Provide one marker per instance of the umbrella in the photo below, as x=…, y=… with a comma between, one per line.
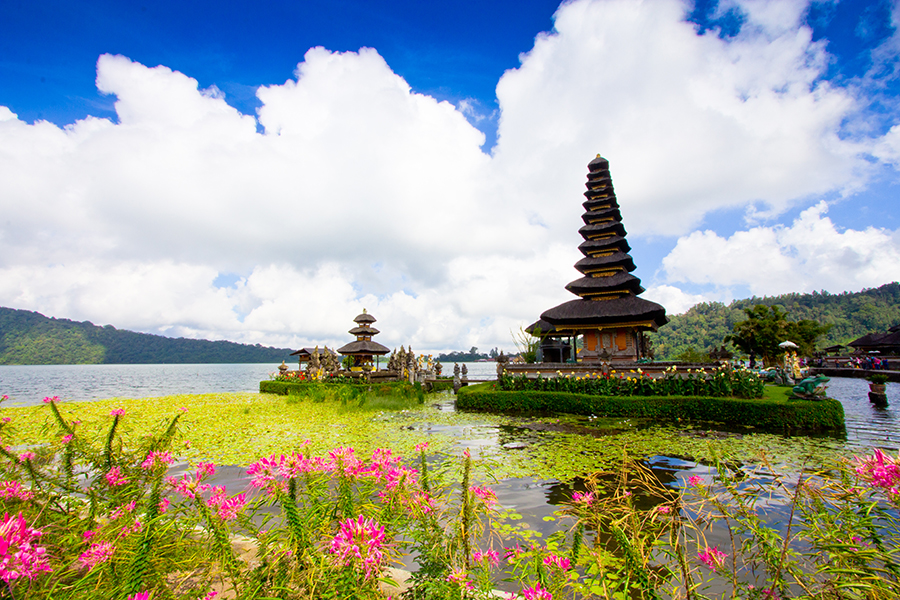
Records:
x=788, y=344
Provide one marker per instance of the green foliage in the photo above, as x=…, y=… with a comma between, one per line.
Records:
x=527, y=344
x=692, y=355
x=29, y=338
x=767, y=326
x=850, y=315
x=761, y=413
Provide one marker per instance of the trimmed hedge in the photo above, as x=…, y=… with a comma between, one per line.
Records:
x=761, y=413
x=283, y=388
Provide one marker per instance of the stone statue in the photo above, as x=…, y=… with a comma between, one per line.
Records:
x=811, y=388
x=465, y=372
x=501, y=363
x=456, y=382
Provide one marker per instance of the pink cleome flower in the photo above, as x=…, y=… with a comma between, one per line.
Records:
x=163, y=505
x=536, y=593
x=557, y=561
x=491, y=556
x=227, y=508
x=421, y=447
x=14, y=489
x=360, y=543
x=487, y=495
x=582, y=498
x=157, y=459
x=695, y=480
x=140, y=596
x=117, y=412
x=98, y=553
x=26, y=456
x=712, y=557
x=460, y=578
x=50, y=400
x=664, y=509
x=880, y=470
x=19, y=554
x=115, y=478
x=67, y=438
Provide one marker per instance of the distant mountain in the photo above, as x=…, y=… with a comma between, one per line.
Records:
x=851, y=315
x=30, y=338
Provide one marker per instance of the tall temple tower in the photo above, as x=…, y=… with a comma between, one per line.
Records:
x=609, y=315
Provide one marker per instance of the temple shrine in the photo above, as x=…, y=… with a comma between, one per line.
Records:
x=363, y=350
x=608, y=314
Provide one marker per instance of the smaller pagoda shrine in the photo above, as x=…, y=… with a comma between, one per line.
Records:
x=363, y=350
x=609, y=316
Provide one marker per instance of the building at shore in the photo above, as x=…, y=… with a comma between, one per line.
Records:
x=609, y=317
x=363, y=350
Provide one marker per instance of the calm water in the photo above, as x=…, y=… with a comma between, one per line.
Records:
x=28, y=385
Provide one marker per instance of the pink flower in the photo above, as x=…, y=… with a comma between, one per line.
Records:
x=157, y=459
x=115, y=478
x=4, y=397
x=184, y=409
x=227, y=508
x=557, y=561
x=7, y=419
x=580, y=498
x=49, y=400
x=88, y=534
x=490, y=556
x=460, y=578
x=67, y=438
x=14, y=489
x=265, y=471
x=880, y=470
x=140, y=596
x=421, y=447
x=712, y=557
x=695, y=480
x=19, y=554
x=210, y=596
x=98, y=553
x=163, y=505
x=26, y=456
x=360, y=543
x=487, y=495
x=187, y=485
x=121, y=510
x=117, y=412
x=664, y=509
x=536, y=593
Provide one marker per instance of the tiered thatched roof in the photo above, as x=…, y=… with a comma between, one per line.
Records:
x=608, y=292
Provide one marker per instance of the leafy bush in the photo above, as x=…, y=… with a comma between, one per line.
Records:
x=765, y=414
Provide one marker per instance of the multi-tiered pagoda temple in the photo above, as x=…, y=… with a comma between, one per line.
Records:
x=609, y=315
x=363, y=349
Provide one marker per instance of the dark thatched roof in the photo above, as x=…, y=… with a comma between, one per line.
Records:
x=616, y=242
x=606, y=214
x=614, y=227
x=599, y=312
x=616, y=259
x=364, y=318
x=622, y=281
x=364, y=347
x=545, y=328
x=364, y=330
x=308, y=352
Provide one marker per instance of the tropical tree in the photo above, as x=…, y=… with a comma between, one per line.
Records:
x=767, y=326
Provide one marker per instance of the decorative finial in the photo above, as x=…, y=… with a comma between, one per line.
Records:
x=598, y=156
x=364, y=311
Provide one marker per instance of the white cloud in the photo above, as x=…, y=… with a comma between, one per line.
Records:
x=810, y=254
x=348, y=190
x=676, y=300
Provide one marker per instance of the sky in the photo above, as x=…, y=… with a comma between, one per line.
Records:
x=262, y=172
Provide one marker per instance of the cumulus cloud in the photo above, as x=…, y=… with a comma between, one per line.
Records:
x=810, y=254
x=350, y=190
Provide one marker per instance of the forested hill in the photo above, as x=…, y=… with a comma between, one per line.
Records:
x=851, y=314
x=30, y=338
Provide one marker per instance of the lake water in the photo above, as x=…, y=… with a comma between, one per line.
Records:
x=867, y=425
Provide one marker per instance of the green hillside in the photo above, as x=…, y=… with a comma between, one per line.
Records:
x=851, y=315
x=30, y=338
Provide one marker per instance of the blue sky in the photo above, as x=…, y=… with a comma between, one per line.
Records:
x=195, y=169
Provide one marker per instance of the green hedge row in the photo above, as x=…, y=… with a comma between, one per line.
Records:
x=283, y=388
x=761, y=413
